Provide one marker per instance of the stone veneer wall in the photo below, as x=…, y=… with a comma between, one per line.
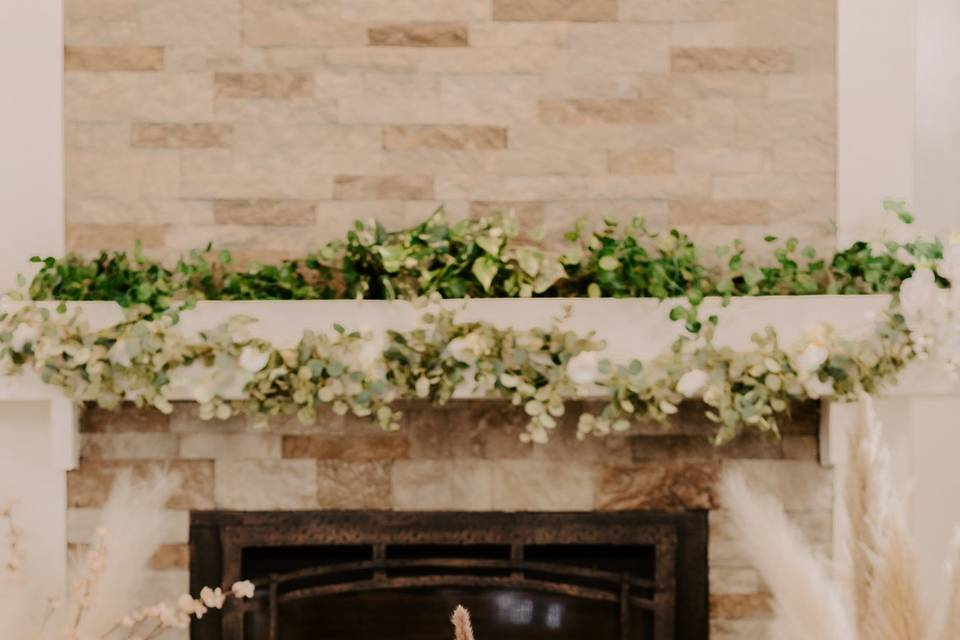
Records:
x=463, y=457
x=267, y=126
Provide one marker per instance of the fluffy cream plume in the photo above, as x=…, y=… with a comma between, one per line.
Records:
x=807, y=603
x=951, y=617
x=132, y=527
x=461, y=624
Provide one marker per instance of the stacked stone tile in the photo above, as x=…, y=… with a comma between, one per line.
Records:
x=466, y=456
x=268, y=126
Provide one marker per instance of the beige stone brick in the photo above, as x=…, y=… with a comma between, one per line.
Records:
x=525, y=210
x=354, y=448
x=271, y=23
x=124, y=419
x=276, y=111
x=418, y=35
x=513, y=188
x=669, y=485
x=424, y=485
x=541, y=485
x=619, y=48
x=265, y=212
x=247, y=242
x=129, y=446
x=503, y=35
x=96, y=135
x=731, y=212
x=124, y=174
x=809, y=158
x=801, y=447
x=738, y=606
x=113, y=58
x=89, y=485
x=722, y=161
x=101, y=32
x=224, y=446
x=798, y=485
x=198, y=58
x=551, y=10
x=276, y=85
x=138, y=210
x=265, y=484
x=146, y=97
x=666, y=186
x=802, y=86
x=383, y=188
x=785, y=187
x=726, y=580
x=412, y=10
x=726, y=59
x=780, y=23
x=375, y=59
x=704, y=34
x=170, y=557
x=588, y=111
x=160, y=135
x=406, y=137
x=354, y=485
x=114, y=236
x=630, y=161
x=195, y=22
x=720, y=85
x=241, y=175
x=529, y=59
x=740, y=629
x=678, y=10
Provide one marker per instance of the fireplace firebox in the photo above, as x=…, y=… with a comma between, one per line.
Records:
x=398, y=575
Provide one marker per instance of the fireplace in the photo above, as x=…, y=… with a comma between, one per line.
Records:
x=397, y=575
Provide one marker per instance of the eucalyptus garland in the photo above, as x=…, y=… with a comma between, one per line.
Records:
x=144, y=359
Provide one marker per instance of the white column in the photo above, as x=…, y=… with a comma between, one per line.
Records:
x=31, y=134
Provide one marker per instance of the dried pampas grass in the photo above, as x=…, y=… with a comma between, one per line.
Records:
x=461, y=624
x=875, y=595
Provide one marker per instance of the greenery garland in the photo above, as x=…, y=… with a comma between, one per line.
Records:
x=143, y=359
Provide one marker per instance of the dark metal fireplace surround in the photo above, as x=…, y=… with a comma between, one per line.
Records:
x=397, y=576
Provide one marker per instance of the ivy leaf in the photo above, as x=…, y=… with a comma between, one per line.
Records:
x=485, y=269
x=490, y=244
x=529, y=260
x=608, y=263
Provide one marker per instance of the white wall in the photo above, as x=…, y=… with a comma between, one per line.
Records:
x=31, y=134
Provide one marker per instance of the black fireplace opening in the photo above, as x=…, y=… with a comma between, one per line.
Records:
x=398, y=575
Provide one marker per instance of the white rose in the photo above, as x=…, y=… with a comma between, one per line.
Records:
x=692, y=383
x=817, y=388
x=252, y=359
x=812, y=357
x=583, y=368
x=243, y=589
x=466, y=349
x=22, y=335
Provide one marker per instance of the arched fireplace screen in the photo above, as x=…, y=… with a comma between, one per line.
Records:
x=397, y=576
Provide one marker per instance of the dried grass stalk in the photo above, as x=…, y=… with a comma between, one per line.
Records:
x=461, y=624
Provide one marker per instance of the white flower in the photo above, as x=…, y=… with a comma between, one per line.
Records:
x=119, y=354
x=213, y=598
x=467, y=348
x=811, y=358
x=190, y=606
x=243, y=589
x=918, y=292
x=583, y=368
x=203, y=392
x=817, y=388
x=692, y=383
x=252, y=359
x=22, y=335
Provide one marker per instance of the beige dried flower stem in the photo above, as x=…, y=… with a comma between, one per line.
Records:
x=461, y=624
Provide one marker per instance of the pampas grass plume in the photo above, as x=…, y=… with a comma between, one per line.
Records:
x=461, y=624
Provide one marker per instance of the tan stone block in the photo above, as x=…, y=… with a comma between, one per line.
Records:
x=383, y=188
x=265, y=212
x=82, y=523
x=801, y=448
x=811, y=186
x=529, y=59
x=125, y=419
x=96, y=135
x=406, y=137
x=490, y=98
x=113, y=58
x=271, y=23
x=722, y=161
x=375, y=59
x=740, y=605
x=525, y=210
x=725, y=580
x=354, y=485
x=802, y=86
x=740, y=629
x=248, y=242
x=424, y=485
x=675, y=447
x=89, y=485
x=145, y=97
x=266, y=484
x=410, y=10
x=488, y=431
x=78, y=32
x=780, y=23
x=798, y=485
x=418, y=35
x=122, y=174
x=143, y=210
x=114, y=236
x=379, y=446
x=725, y=549
x=466, y=187
x=535, y=163
x=619, y=48
x=244, y=174
x=734, y=212
x=811, y=158
x=726, y=59
x=275, y=85
x=668, y=485
x=169, y=557
x=180, y=136
x=587, y=111
x=665, y=186
x=720, y=85
x=678, y=10
x=541, y=485
x=195, y=22
x=198, y=58
x=262, y=137
x=222, y=446
x=704, y=34
x=129, y=446
x=555, y=10
x=509, y=35
x=630, y=161
x=278, y=111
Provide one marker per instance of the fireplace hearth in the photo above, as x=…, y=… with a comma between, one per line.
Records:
x=397, y=575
